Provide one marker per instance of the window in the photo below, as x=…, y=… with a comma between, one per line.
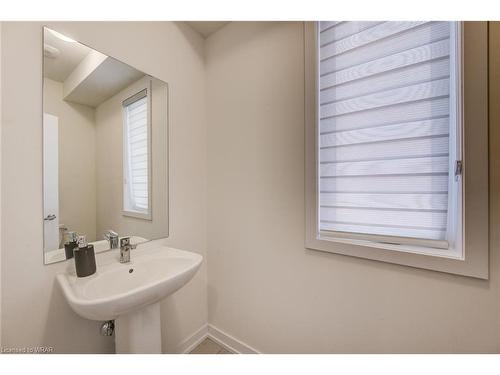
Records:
x=389, y=132
x=136, y=168
x=387, y=140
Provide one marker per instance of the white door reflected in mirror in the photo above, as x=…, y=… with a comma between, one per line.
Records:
x=50, y=182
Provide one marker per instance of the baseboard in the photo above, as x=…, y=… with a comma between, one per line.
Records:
x=193, y=341
x=229, y=342
x=220, y=337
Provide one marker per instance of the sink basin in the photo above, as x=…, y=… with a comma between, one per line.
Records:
x=130, y=292
x=119, y=288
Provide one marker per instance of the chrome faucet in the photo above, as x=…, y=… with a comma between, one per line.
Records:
x=112, y=237
x=125, y=247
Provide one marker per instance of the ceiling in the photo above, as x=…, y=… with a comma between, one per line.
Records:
x=205, y=28
x=59, y=69
x=70, y=55
x=106, y=79
x=97, y=78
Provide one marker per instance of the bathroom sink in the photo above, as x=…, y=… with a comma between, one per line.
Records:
x=130, y=292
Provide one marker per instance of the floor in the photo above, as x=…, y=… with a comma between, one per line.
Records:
x=208, y=346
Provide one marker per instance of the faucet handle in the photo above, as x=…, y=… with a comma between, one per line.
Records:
x=110, y=234
x=124, y=241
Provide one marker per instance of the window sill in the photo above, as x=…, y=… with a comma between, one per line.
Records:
x=440, y=250
x=137, y=215
x=473, y=266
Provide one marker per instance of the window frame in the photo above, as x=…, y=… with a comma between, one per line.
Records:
x=140, y=93
x=472, y=239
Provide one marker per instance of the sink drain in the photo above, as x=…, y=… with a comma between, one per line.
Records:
x=131, y=270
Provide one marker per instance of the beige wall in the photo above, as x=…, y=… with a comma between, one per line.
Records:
x=264, y=287
x=34, y=311
x=77, y=160
x=1, y=73
x=109, y=121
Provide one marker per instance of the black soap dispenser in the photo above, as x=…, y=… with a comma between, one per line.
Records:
x=84, y=258
x=70, y=244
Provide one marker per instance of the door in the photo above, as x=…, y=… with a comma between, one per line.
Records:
x=50, y=182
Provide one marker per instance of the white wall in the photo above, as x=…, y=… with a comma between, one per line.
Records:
x=34, y=311
x=109, y=127
x=264, y=287
x=77, y=160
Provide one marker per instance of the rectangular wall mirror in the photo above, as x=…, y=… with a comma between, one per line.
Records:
x=105, y=149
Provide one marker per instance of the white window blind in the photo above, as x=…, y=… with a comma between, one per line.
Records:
x=136, y=189
x=387, y=125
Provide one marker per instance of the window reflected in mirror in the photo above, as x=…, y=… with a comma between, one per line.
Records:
x=136, y=156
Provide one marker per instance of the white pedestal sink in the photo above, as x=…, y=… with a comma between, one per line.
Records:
x=130, y=293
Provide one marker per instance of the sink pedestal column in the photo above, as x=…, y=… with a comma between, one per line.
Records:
x=139, y=331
